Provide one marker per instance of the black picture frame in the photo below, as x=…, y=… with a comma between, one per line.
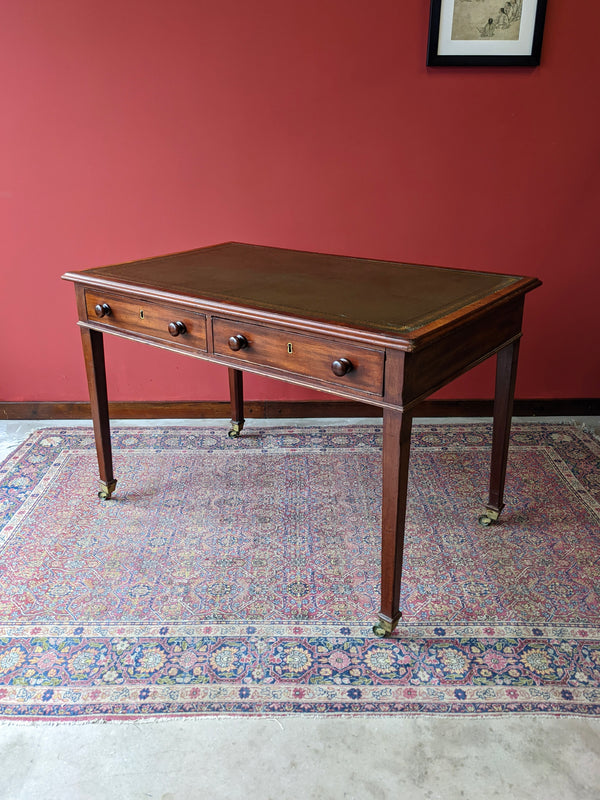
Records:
x=491, y=47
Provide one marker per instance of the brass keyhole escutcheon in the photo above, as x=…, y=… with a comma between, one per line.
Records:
x=290, y=348
x=141, y=313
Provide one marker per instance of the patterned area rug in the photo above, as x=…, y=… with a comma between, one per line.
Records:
x=242, y=576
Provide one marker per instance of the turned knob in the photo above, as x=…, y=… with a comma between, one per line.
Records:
x=103, y=310
x=341, y=366
x=175, y=328
x=238, y=342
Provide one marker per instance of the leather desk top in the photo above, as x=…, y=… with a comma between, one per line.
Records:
x=385, y=297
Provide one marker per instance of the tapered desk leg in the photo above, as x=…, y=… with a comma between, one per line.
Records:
x=506, y=376
x=397, y=427
x=93, y=352
x=236, y=394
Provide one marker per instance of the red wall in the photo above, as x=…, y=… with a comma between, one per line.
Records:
x=130, y=129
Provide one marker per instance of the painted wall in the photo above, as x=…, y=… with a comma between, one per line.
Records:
x=130, y=129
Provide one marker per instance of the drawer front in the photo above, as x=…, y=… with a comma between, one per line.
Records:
x=176, y=325
x=332, y=360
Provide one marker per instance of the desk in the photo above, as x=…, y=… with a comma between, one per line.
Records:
x=384, y=333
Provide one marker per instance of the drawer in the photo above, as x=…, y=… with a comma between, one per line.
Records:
x=334, y=361
x=174, y=324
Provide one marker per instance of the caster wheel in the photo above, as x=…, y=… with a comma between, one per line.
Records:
x=485, y=520
x=380, y=631
x=106, y=490
x=233, y=434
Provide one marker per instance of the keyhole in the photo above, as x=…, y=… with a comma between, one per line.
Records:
x=141, y=313
x=290, y=348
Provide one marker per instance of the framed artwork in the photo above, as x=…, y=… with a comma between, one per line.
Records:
x=480, y=33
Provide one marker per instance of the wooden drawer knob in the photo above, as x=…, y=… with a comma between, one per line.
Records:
x=175, y=328
x=238, y=342
x=103, y=310
x=341, y=366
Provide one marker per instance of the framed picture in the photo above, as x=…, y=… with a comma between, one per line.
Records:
x=485, y=33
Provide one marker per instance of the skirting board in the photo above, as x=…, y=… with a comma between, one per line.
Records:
x=268, y=409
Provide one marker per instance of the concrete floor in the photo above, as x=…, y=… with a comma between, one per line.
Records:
x=304, y=757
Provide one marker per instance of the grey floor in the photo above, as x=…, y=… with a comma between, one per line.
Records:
x=303, y=757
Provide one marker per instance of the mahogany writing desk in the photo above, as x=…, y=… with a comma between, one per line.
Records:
x=384, y=333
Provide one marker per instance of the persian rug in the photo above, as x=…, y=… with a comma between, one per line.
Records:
x=242, y=576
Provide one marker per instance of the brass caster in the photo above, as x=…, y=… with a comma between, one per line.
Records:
x=384, y=627
x=235, y=429
x=106, y=490
x=489, y=518
x=380, y=631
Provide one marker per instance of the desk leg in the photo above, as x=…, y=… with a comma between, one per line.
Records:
x=236, y=394
x=506, y=376
x=93, y=352
x=397, y=427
